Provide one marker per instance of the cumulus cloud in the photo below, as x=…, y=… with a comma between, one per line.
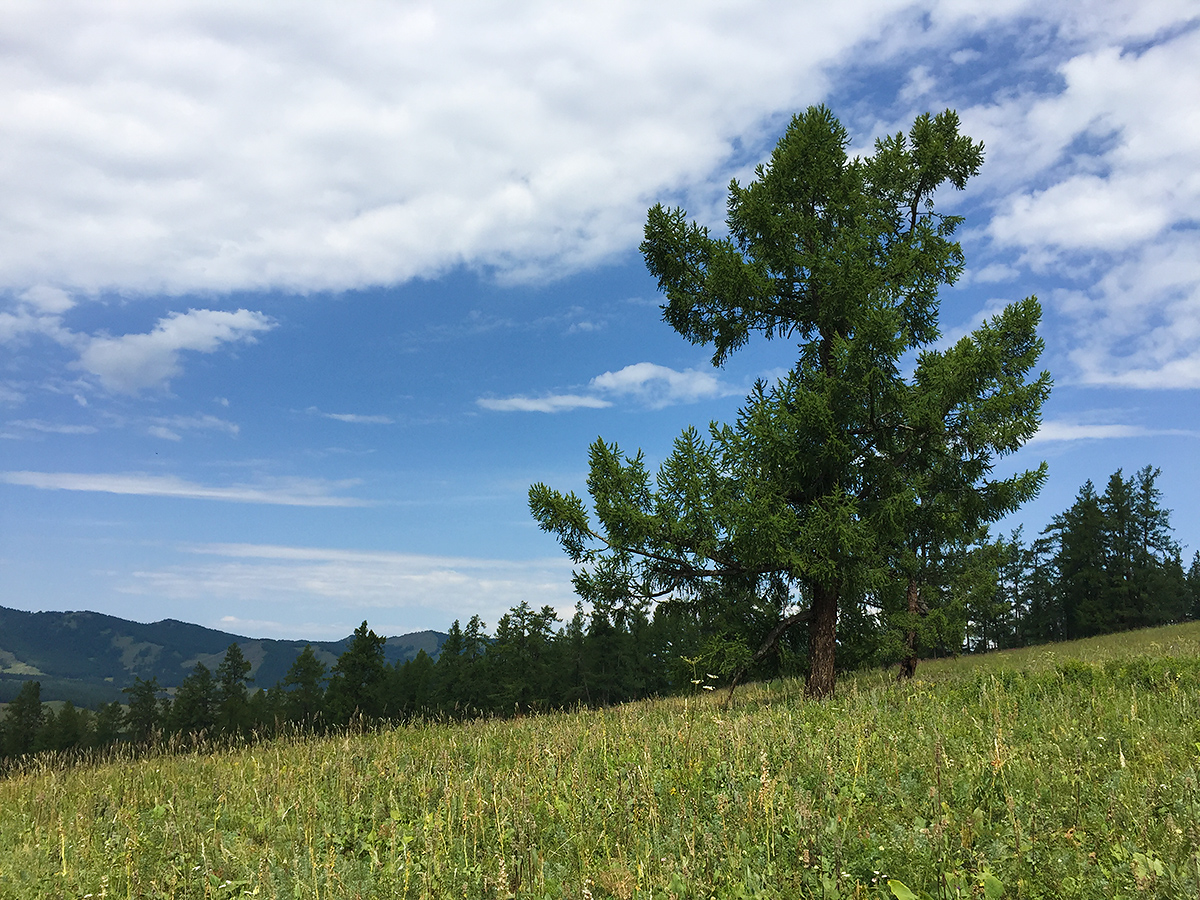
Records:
x=658, y=386
x=27, y=318
x=288, y=492
x=204, y=145
x=52, y=300
x=1123, y=152
x=134, y=362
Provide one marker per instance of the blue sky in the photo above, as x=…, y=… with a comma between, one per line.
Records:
x=296, y=304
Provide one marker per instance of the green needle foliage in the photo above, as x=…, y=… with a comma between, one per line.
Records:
x=849, y=472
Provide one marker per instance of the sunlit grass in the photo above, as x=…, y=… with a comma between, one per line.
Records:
x=1054, y=772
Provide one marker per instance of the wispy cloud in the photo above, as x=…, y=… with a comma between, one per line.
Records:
x=37, y=312
x=360, y=579
x=169, y=427
x=649, y=384
x=551, y=403
x=284, y=630
x=354, y=418
x=292, y=492
x=1074, y=431
x=52, y=427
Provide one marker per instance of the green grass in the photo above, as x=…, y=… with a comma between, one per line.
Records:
x=1068, y=771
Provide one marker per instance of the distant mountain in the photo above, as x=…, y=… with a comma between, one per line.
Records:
x=88, y=657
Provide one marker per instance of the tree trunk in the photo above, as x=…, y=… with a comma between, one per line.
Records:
x=822, y=641
x=908, y=665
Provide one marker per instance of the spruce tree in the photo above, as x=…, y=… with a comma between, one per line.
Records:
x=194, y=710
x=233, y=712
x=23, y=720
x=304, y=696
x=358, y=679
x=143, y=718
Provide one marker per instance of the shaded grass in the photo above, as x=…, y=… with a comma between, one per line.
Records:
x=1055, y=772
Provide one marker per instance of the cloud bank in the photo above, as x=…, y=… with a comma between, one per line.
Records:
x=203, y=145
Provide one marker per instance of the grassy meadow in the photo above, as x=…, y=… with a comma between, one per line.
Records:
x=1062, y=771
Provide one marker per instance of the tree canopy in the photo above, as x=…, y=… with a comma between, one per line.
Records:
x=849, y=470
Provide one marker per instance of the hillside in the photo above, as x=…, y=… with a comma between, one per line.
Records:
x=1061, y=771
x=88, y=657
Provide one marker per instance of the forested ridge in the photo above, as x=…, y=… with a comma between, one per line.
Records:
x=1108, y=563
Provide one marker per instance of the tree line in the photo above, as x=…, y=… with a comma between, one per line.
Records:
x=1108, y=563
x=532, y=662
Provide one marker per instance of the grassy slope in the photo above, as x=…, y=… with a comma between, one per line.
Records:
x=1068, y=771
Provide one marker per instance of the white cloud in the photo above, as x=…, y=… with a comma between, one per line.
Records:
x=52, y=428
x=10, y=396
x=650, y=384
x=291, y=492
x=251, y=573
x=658, y=386
x=1138, y=325
x=203, y=145
x=48, y=299
x=1139, y=109
x=1099, y=186
x=354, y=418
x=991, y=274
x=548, y=404
x=1074, y=431
x=24, y=322
x=134, y=362
x=203, y=422
x=920, y=83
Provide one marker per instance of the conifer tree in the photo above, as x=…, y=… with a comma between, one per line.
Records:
x=796, y=504
x=143, y=718
x=233, y=712
x=358, y=679
x=23, y=720
x=195, y=708
x=304, y=696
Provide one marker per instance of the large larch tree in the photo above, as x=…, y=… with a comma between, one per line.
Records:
x=812, y=496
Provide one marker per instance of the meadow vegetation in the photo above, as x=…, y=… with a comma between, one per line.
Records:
x=1060, y=771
